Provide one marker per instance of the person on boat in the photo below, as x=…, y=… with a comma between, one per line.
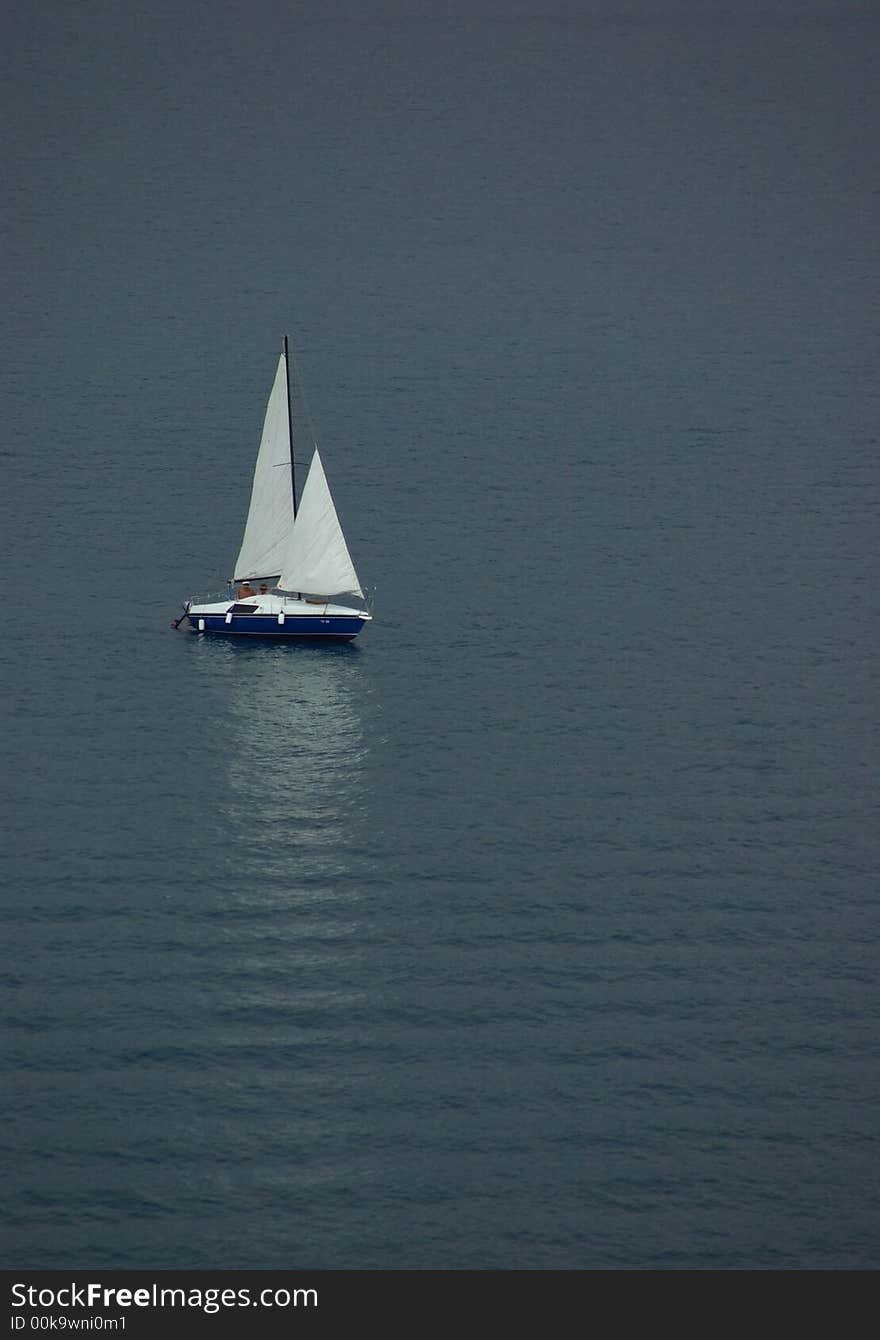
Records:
x=246, y=590
x=263, y=589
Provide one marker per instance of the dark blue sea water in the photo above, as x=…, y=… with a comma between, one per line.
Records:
x=538, y=928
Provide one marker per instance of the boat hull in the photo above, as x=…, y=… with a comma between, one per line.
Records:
x=276, y=616
x=335, y=627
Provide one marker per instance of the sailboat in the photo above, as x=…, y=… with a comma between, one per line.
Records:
x=293, y=576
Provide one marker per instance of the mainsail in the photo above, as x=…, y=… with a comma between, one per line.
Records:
x=270, y=516
x=316, y=558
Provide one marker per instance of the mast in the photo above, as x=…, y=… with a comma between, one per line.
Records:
x=290, y=427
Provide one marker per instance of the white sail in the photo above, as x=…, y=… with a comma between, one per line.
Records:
x=270, y=516
x=317, y=560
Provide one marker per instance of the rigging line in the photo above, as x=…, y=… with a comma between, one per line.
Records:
x=301, y=392
x=290, y=427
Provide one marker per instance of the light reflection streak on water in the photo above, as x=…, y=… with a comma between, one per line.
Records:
x=293, y=818
x=295, y=752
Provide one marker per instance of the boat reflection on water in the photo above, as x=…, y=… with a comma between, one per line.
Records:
x=292, y=829
x=293, y=865
x=297, y=754
x=286, y=970
x=285, y=965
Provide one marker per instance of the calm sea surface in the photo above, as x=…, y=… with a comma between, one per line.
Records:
x=539, y=927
